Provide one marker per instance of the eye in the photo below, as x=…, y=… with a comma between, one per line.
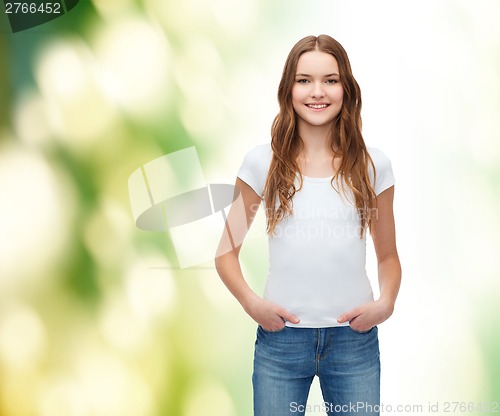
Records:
x=331, y=81
x=302, y=81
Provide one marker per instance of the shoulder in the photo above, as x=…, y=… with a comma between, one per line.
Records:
x=259, y=157
x=380, y=158
x=377, y=153
x=260, y=151
x=255, y=167
x=383, y=170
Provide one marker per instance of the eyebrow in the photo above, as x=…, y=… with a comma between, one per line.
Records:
x=326, y=76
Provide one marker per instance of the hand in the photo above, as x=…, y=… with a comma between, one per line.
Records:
x=365, y=317
x=270, y=316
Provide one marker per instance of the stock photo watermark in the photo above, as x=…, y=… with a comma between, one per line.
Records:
x=170, y=194
x=452, y=407
x=25, y=15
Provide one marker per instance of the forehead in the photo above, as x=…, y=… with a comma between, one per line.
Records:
x=315, y=62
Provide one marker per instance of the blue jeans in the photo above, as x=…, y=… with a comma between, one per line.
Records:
x=347, y=364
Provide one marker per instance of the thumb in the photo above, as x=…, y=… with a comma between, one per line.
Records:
x=347, y=316
x=290, y=317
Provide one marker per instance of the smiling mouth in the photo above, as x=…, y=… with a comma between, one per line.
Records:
x=317, y=106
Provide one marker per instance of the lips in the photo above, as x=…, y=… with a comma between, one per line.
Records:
x=317, y=106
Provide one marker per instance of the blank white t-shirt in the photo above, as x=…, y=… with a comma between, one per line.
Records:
x=316, y=258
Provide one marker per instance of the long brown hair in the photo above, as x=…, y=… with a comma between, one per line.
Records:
x=346, y=141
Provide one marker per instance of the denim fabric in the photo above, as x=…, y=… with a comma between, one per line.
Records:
x=347, y=364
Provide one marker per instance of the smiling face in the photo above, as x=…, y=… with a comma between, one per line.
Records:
x=317, y=92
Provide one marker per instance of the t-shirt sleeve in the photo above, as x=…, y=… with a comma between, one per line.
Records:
x=384, y=177
x=253, y=170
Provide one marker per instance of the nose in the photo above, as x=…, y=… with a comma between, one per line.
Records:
x=317, y=90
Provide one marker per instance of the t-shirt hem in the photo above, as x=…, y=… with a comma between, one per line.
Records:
x=248, y=179
x=316, y=325
x=384, y=187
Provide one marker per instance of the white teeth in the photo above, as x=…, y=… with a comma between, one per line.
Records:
x=317, y=106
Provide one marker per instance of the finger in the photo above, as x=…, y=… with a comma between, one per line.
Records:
x=275, y=324
x=348, y=316
x=356, y=325
x=290, y=317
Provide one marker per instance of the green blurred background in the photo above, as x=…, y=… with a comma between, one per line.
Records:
x=96, y=317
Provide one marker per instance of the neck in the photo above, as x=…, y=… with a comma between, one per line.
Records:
x=315, y=139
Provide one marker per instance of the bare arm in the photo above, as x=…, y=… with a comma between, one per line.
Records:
x=383, y=234
x=241, y=215
x=384, y=240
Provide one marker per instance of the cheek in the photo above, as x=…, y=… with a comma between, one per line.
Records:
x=297, y=98
x=339, y=94
x=296, y=94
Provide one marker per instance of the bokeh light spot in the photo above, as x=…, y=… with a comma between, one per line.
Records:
x=68, y=78
x=208, y=398
x=133, y=55
x=150, y=288
x=22, y=336
x=35, y=213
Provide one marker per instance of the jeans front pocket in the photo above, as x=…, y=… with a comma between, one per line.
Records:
x=362, y=332
x=272, y=332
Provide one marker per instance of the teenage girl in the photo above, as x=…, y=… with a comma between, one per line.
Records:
x=322, y=189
